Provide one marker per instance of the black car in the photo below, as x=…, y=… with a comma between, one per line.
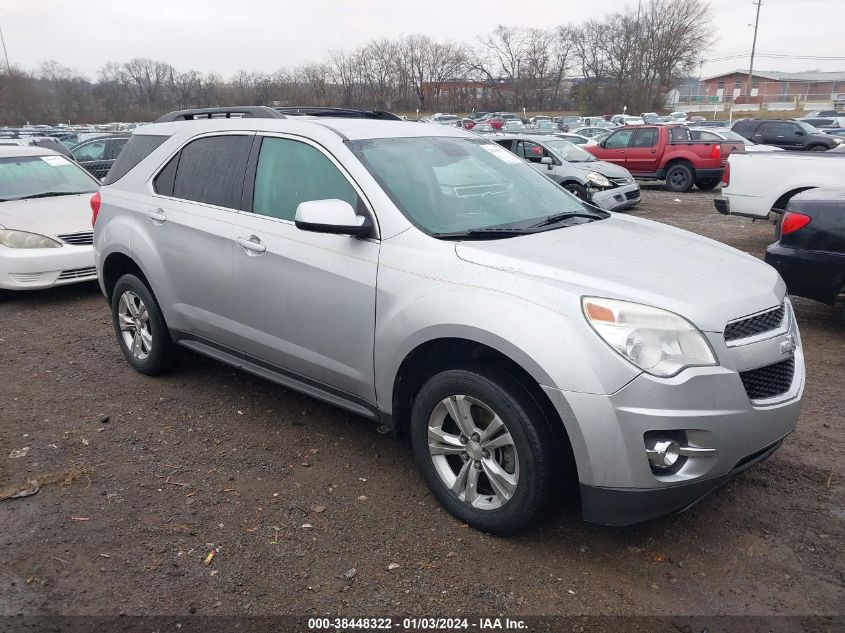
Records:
x=97, y=154
x=784, y=133
x=810, y=255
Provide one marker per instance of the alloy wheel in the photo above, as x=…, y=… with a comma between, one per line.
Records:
x=134, y=320
x=473, y=452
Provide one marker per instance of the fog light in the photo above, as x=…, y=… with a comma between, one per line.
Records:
x=665, y=453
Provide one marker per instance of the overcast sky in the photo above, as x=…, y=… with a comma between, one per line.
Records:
x=225, y=36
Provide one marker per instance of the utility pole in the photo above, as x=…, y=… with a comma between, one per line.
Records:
x=753, y=47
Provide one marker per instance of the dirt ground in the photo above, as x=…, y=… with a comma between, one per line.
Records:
x=142, y=477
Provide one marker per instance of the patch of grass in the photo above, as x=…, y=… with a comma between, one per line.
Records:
x=63, y=477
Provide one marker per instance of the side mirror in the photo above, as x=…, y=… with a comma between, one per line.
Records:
x=603, y=143
x=331, y=216
x=547, y=161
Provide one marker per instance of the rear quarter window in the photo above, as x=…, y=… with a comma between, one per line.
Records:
x=136, y=149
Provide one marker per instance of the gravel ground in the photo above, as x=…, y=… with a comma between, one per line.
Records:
x=142, y=477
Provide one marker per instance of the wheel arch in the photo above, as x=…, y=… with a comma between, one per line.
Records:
x=439, y=354
x=117, y=264
x=784, y=199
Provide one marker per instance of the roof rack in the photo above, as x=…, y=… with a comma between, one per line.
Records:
x=348, y=113
x=237, y=112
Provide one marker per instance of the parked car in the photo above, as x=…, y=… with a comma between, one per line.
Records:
x=429, y=279
x=484, y=127
x=568, y=123
x=576, y=139
x=701, y=122
x=822, y=124
x=678, y=116
x=825, y=113
x=665, y=152
x=445, y=119
x=652, y=118
x=591, y=132
x=786, y=134
x=477, y=116
x=514, y=126
x=810, y=254
x=544, y=127
x=45, y=220
x=624, y=119
x=97, y=155
x=728, y=136
x=757, y=184
x=605, y=185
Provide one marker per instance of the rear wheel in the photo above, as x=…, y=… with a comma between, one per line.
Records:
x=140, y=328
x=679, y=178
x=705, y=184
x=484, y=449
x=579, y=191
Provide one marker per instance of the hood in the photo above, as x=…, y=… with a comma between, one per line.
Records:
x=48, y=216
x=605, y=169
x=639, y=260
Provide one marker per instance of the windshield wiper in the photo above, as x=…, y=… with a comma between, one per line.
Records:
x=485, y=233
x=50, y=194
x=560, y=217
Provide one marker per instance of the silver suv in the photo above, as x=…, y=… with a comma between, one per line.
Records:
x=429, y=279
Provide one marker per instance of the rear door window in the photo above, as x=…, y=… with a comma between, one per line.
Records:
x=211, y=170
x=645, y=137
x=290, y=172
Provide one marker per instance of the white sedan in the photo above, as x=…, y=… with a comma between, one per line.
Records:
x=45, y=220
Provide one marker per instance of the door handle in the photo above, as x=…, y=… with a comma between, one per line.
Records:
x=252, y=244
x=158, y=216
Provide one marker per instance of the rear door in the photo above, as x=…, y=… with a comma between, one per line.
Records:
x=191, y=217
x=305, y=301
x=615, y=147
x=642, y=156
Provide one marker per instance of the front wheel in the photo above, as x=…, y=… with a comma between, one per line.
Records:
x=679, y=178
x=818, y=148
x=579, y=191
x=706, y=184
x=483, y=448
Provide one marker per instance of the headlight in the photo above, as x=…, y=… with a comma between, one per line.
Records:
x=657, y=341
x=22, y=239
x=837, y=140
x=598, y=180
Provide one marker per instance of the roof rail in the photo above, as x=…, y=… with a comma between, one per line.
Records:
x=244, y=112
x=347, y=113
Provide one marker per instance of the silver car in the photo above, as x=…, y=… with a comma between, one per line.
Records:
x=429, y=279
x=608, y=186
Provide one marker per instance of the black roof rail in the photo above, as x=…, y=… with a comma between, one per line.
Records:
x=347, y=113
x=236, y=112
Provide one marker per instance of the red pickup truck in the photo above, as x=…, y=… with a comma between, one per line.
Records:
x=665, y=152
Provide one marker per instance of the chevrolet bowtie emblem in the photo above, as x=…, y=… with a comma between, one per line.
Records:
x=787, y=344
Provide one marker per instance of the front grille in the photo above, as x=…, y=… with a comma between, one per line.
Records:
x=622, y=181
x=76, y=273
x=769, y=381
x=78, y=239
x=753, y=325
x=632, y=195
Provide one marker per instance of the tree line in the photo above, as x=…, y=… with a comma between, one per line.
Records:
x=630, y=58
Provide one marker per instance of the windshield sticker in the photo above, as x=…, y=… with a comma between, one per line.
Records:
x=55, y=161
x=501, y=153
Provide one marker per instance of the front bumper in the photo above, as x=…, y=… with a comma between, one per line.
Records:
x=708, y=406
x=34, y=268
x=616, y=198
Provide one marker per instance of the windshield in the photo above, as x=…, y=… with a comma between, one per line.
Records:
x=448, y=184
x=570, y=152
x=38, y=176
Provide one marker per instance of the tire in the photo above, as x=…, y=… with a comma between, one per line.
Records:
x=680, y=178
x=145, y=343
x=523, y=468
x=579, y=191
x=706, y=184
x=818, y=148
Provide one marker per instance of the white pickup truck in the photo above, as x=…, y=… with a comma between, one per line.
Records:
x=755, y=184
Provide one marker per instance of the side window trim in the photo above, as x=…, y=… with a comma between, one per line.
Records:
x=178, y=151
x=252, y=172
